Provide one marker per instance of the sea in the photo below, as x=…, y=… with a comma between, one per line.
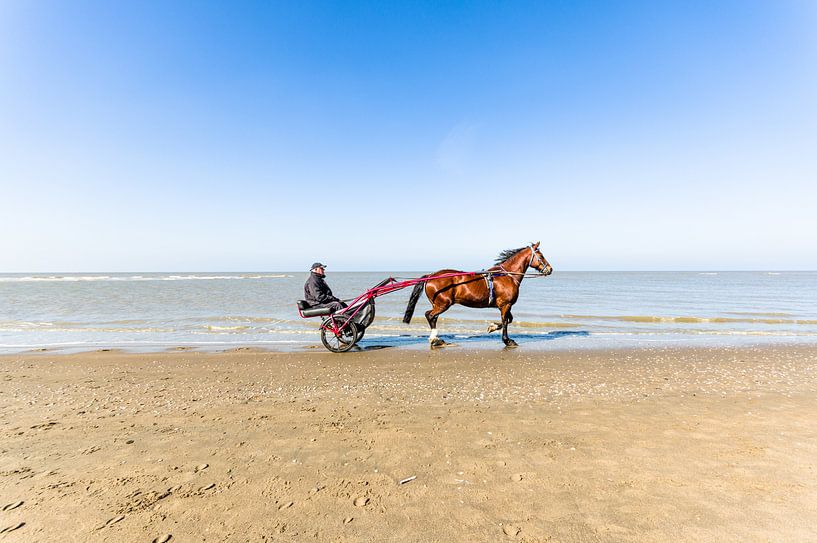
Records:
x=567, y=310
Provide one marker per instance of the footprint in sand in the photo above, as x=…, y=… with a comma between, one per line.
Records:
x=44, y=426
x=163, y=539
x=112, y=521
x=14, y=505
x=361, y=501
x=208, y=487
x=285, y=505
x=200, y=467
x=347, y=520
x=516, y=477
x=13, y=527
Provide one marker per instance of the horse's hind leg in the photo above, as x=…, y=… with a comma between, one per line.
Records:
x=507, y=318
x=431, y=317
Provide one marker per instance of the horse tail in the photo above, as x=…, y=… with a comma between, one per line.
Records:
x=412, y=303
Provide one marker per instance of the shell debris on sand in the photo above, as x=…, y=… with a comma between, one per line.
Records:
x=511, y=530
x=361, y=501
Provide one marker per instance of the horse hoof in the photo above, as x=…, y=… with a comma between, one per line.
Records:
x=493, y=328
x=437, y=342
x=511, y=344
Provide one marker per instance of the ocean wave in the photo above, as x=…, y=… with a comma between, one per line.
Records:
x=760, y=313
x=27, y=324
x=134, y=278
x=219, y=277
x=255, y=332
x=228, y=318
x=670, y=333
x=690, y=319
x=148, y=344
x=554, y=324
x=55, y=278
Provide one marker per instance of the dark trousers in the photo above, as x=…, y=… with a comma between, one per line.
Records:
x=334, y=306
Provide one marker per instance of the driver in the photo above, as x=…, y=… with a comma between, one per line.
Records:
x=317, y=292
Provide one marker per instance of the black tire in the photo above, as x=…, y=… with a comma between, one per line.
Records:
x=347, y=338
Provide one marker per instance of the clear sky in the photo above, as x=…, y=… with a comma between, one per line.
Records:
x=193, y=136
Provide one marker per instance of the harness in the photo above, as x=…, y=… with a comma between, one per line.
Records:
x=489, y=280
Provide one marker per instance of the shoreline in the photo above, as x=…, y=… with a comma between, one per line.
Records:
x=540, y=343
x=660, y=444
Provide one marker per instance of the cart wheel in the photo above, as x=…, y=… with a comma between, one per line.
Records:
x=344, y=340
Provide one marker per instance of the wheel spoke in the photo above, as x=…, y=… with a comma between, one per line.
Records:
x=345, y=338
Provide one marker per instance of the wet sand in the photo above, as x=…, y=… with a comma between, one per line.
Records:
x=626, y=445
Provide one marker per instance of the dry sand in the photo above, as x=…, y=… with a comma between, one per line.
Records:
x=644, y=445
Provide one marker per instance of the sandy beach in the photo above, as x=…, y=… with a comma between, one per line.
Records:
x=411, y=445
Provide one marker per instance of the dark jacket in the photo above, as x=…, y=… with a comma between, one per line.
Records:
x=316, y=291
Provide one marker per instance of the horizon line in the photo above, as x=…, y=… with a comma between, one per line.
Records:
x=647, y=270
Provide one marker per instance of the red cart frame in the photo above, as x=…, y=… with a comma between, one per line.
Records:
x=339, y=322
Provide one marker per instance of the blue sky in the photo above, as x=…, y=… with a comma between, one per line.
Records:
x=157, y=136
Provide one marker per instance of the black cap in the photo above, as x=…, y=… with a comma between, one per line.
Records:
x=317, y=265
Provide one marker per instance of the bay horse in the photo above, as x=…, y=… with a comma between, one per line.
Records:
x=497, y=286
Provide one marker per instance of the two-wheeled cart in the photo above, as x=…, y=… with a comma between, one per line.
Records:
x=341, y=330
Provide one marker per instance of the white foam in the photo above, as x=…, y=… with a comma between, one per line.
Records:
x=120, y=278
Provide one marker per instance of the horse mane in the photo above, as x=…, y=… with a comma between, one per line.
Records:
x=506, y=254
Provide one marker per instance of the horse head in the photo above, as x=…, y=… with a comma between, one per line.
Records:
x=537, y=261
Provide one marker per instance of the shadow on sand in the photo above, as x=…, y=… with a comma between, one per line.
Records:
x=375, y=343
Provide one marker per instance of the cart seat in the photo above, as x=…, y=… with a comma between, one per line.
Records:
x=308, y=311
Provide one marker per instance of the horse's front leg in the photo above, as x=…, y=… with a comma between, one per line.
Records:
x=494, y=326
x=507, y=318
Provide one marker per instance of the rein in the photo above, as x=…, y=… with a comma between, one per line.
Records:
x=502, y=271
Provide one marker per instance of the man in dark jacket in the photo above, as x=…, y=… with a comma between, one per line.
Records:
x=317, y=292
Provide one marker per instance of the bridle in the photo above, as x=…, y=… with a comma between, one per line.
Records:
x=532, y=255
x=530, y=265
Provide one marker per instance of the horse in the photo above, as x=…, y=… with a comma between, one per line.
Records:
x=497, y=286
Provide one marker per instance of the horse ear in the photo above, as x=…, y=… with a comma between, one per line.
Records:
x=536, y=245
